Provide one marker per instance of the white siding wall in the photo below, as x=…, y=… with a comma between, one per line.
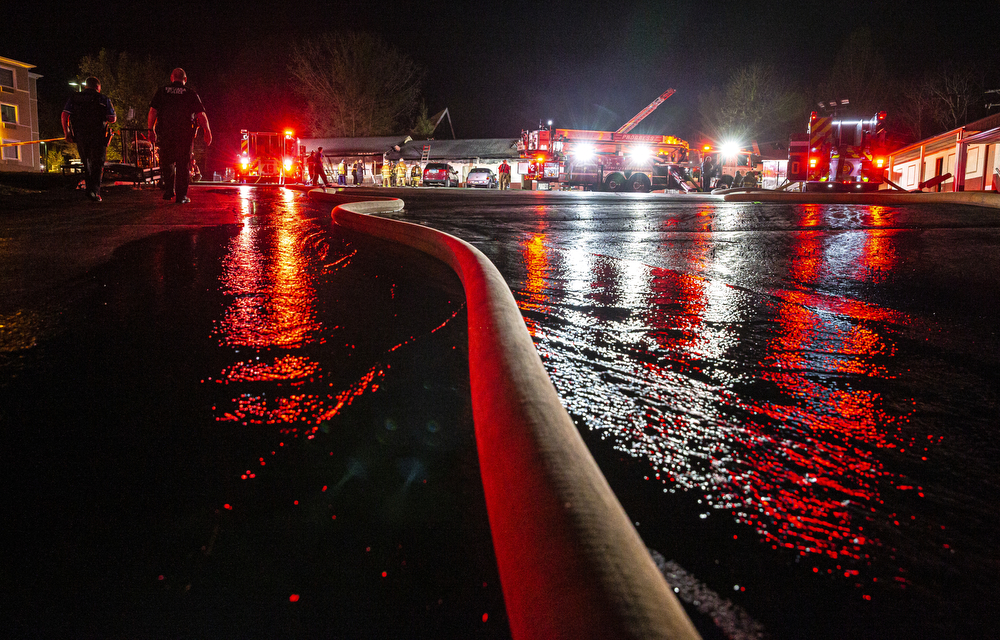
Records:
x=907, y=174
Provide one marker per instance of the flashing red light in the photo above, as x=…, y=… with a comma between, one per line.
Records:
x=812, y=163
x=813, y=115
x=879, y=162
x=881, y=115
x=289, y=133
x=707, y=147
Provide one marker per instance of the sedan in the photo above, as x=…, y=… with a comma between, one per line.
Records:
x=480, y=177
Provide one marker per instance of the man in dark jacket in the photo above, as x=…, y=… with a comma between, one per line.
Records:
x=85, y=120
x=175, y=113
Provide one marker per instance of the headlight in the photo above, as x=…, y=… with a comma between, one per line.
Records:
x=730, y=149
x=584, y=153
x=640, y=152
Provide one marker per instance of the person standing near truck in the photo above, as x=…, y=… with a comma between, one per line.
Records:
x=85, y=120
x=504, y=171
x=386, y=173
x=175, y=113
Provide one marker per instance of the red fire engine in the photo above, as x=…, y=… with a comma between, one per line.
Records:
x=840, y=154
x=611, y=160
x=269, y=156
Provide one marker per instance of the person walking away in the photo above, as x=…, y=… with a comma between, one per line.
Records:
x=311, y=168
x=504, y=171
x=320, y=169
x=354, y=173
x=85, y=121
x=175, y=113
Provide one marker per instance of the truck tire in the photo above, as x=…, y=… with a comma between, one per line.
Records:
x=614, y=182
x=639, y=183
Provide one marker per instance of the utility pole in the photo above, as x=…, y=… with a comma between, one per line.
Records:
x=993, y=104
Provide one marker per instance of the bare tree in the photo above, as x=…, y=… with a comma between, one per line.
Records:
x=956, y=90
x=859, y=74
x=915, y=110
x=355, y=84
x=128, y=81
x=755, y=104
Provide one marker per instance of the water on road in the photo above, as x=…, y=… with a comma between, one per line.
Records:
x=260, y=430
x=796, y=404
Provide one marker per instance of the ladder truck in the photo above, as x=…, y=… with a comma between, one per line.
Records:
x=840, y=153
x=606, y=160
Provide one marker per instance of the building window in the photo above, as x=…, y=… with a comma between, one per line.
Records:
x=8, y=113
x=11, y=153
x=6, y=77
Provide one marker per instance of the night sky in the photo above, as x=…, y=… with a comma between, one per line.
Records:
x=584, y=65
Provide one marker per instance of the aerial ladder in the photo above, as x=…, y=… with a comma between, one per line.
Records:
x=612, y=160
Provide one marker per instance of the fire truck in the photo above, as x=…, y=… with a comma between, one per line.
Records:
x=840, y=153
x=269, y=156
x=608, y=160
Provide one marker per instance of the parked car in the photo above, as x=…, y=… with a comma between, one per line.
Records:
x=442, y=174
x=482, y=177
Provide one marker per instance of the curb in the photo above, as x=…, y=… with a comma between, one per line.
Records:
x=571, y=563
x=988, y=199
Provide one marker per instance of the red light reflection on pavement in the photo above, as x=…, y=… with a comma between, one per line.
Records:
x=273, y=298
x=804, y=486
x=535, y=257
x=790, y=444
x=285, y=368
x=270, y=276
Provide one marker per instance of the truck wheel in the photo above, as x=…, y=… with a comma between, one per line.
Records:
x=639, y=183
x=615, y=182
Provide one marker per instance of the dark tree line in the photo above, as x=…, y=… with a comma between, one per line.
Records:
x=757, y=103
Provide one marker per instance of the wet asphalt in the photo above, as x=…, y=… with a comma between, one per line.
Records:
x=796, y=404
x=231, y=419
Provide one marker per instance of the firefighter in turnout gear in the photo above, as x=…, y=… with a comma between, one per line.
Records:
x=386, y=173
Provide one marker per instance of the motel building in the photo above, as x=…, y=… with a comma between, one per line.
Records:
x=19, y=116
x=969, y=155
x=341, y=154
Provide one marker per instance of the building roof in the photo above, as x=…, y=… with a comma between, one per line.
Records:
x=946, y=139
x=440, y=150
x=16, y=63
x=349, y=147
x=991, y=121
x=476, y=149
